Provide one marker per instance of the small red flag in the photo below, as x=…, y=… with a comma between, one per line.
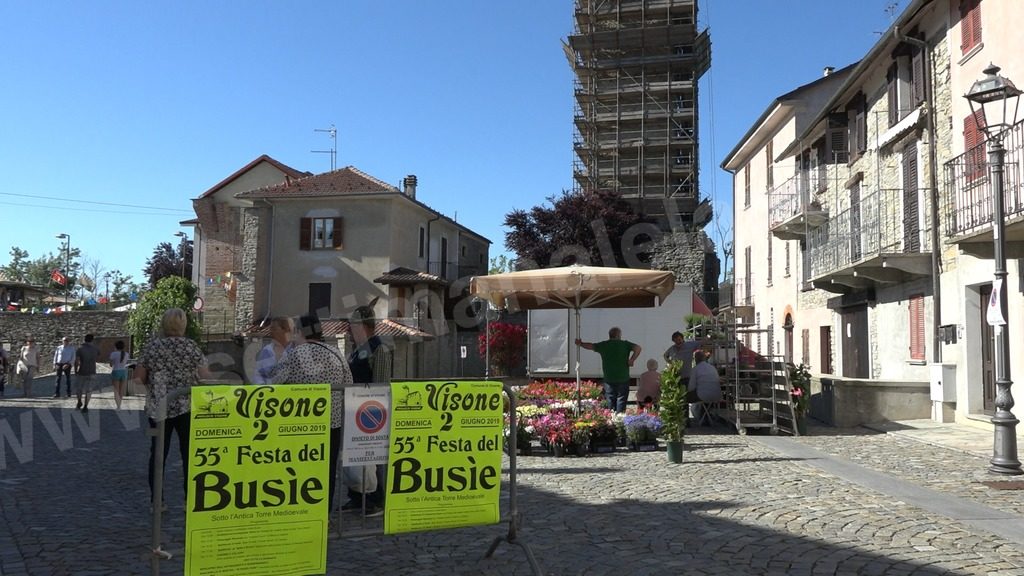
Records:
x=57, y=277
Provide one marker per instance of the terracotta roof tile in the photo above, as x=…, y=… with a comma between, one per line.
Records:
x=347, y=180
x=403, y=275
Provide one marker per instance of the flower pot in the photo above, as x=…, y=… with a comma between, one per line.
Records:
x=558, y=450
x=674, y=449
x=582, y=449
x=602, y=446
x=525, y=449
x=643, y=446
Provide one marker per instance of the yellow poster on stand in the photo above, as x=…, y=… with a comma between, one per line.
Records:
x=258, y=480
x=444, y=468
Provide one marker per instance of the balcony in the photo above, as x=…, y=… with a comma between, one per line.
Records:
x=872, y=243
x=792, y=212
x=967, y=197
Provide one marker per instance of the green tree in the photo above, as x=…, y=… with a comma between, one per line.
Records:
x=500, y=264
x=170, y=292
x=17, y=269
x=169, y=261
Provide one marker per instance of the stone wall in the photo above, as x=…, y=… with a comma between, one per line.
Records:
x=48, y=329
x=686, y=254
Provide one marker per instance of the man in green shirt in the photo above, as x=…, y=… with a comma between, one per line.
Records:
x=617, y=355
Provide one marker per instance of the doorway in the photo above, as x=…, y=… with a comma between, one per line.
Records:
x=787, y=327
x=855, y=342
x=988, y=364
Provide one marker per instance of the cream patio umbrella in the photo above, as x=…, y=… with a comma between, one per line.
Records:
x=575, y=287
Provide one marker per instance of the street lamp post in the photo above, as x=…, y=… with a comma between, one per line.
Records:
x=184, y=239
x=991, y=100
x=67, y=267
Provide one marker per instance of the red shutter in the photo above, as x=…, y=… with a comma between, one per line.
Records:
x=970, y=24
x=917, y=327
x=974, y=146
x=336, y=238
x=305, y=233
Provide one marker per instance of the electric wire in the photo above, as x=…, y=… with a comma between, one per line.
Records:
x=77, y=201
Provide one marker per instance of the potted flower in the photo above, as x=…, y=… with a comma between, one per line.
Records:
x=674, y=410
x=581, y=434
x=800, y=395
x=603, y=434
x=643, y=430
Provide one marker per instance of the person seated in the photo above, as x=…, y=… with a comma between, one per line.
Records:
x=704, y=383
x=648, y=391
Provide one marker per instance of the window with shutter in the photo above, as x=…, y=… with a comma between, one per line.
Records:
x=970, y=25
x=911, y=218
x=916, y=327
x=837, y=152
x=917, y=76
x=805, y=346
x=862, y=125
x=748, y=276
x=974, y=146
x=305, y=233
x=893, y=93
x=769, y=156
x=787, y=260
x=769, y=280
x=336, y=237
x=746, y=186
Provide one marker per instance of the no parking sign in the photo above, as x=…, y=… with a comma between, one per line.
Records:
x=367, y=425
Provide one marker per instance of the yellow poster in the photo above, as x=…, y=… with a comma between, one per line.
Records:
x=444, y=469
x=257, y=480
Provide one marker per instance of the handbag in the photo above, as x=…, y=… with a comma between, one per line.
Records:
x=22, y=367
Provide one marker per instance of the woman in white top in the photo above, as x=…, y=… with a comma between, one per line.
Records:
x=119, y=371
x=28, y=363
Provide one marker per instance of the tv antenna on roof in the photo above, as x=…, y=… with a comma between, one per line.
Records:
x=333, y=133
x=891, y=9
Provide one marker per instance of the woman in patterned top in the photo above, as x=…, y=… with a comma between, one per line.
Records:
x=310, y=361
x=168, y=363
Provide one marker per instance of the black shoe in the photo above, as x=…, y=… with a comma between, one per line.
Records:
x=79, y=406
x=352, y=505
x=85, y=409
x=373, y=511
x=57, y=395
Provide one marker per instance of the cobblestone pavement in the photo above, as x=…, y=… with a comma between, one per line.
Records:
x=73, y=498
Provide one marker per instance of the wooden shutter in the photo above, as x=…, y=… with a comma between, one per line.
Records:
x=305, y=233
x=769, y=280
x=746, y=185
x=825, y=349
x=917, y=64
x=862, y=124
x=917, y=327
x=974, y=141
x=769, y=157
x=837, y=146
x=911, y=218
x=336, y=235
x=805, y=346
x=970, y=25
x=893, y=90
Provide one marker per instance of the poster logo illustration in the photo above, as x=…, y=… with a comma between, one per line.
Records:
x=211, y=405
x=409, y=399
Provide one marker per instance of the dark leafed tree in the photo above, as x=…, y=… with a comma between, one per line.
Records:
x=595, y=228
x=169, y=261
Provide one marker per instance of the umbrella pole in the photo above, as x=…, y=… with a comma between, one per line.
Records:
x=579, y=401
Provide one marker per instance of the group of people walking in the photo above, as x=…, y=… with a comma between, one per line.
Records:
x=80, y=360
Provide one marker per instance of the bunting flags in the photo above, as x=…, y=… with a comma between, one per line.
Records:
x=57, y=277
x=87, y=282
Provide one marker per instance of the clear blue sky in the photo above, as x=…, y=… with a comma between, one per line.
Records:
x=125, y=111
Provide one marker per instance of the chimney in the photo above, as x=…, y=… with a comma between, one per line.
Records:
x=410, y=186
x=828, y=70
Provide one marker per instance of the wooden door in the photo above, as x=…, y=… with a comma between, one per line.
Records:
x=988, y=364
x=855, y=342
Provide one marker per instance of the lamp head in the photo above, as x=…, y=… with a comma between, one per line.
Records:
x=993, y=101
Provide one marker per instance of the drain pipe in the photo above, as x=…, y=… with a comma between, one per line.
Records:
x=933, y=191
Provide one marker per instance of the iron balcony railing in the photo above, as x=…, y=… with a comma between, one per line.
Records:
x=968, y=187
x=789, y=199
x=881, y=223
x=742, y=291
